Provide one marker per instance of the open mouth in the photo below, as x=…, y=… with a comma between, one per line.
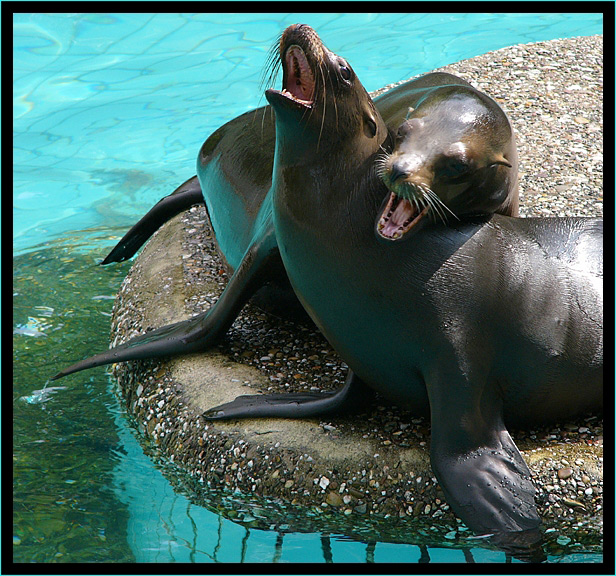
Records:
x=298, y=82
x=398, y=217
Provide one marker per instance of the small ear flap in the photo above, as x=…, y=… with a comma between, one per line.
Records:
x=501, y=161
x=370, y=128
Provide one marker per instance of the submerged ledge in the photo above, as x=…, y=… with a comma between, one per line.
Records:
x=349, y=468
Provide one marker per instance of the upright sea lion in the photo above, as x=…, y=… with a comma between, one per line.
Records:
x=476, y=323
x=234, y=167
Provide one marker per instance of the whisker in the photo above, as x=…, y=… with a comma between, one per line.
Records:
x=434, y=204
x=381, y=164
x=266, y=109
x=324, y=88
x=426, y=201
x=441, y=204
x=416, y=200
x=273, y=63
x=435, y=211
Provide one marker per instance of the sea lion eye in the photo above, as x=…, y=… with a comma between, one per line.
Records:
x=403, y=130
x=345, y=71
x=455, y=167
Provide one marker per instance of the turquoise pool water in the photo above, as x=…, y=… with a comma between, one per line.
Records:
x=109, y=113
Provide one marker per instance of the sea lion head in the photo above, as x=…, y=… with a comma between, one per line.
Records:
x=454, y=157
x=322, y=107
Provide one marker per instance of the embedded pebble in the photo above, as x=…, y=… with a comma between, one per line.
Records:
x=333, y=499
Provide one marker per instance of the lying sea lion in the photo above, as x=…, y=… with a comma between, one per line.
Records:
x=454, y=156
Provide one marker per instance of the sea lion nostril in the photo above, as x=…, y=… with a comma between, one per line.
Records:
x=396, y=172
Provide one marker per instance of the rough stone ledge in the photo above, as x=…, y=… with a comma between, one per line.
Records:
x=377, y=464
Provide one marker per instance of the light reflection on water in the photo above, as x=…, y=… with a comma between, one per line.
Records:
x=110, y=111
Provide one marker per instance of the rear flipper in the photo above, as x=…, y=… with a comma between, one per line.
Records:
x=262, y=259
x=187, y=195
x=353, y=397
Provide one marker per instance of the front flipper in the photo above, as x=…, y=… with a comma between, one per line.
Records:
x=187, y=195
x=353, y=397
x=262, y=259
x=489, y=487
x=481, y=471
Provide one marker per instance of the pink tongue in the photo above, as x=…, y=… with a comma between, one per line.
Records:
x=401, y=214
x=300, y=83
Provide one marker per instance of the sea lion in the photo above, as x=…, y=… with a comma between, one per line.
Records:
x=234, y=167
x=477, y=323
x=454, y=156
